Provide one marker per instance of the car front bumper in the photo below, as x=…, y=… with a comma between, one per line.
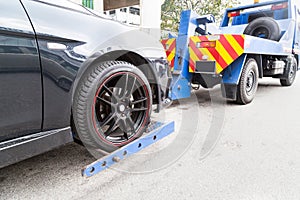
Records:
x=163, y=82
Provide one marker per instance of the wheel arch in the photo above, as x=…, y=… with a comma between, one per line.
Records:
x=231, y=76
x=131, y=57
x=259, y=60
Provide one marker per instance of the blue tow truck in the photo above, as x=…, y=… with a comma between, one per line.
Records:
x=252, y=42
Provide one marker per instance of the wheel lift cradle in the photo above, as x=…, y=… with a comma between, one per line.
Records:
x=223, y=64
x=154, y=133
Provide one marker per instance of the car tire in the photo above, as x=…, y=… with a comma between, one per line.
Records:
x=248, y=83
x=112, y=105
x=264, y=27
x=289, y=74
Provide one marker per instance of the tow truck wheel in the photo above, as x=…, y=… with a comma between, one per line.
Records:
x=248, y=84
x=112, y=105
x=290, y=74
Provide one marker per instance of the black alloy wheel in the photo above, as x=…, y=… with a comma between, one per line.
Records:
x=112, y=105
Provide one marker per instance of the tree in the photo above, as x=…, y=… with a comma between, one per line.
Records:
x=171, y=10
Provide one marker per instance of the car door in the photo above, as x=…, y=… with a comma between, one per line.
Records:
x=20, y=74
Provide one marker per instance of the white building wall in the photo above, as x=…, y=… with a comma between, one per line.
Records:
x=150, y=12
x=150, y=15
x=98, y=5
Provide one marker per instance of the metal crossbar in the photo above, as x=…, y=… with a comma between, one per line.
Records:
x=157, y=132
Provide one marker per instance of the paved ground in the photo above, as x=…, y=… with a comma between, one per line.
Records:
x=257, y=156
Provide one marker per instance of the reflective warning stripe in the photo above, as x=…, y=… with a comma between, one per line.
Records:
x=200, y=52
x=195, y=54
x=170, y=48
x=237, y=42
x=228, y=48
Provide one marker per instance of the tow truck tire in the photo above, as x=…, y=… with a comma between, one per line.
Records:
x=112, y=105
x=264, y=27
x=290, y=74
x=248, y=83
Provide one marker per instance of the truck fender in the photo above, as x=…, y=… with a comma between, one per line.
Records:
x=259, y=61
x=232, y=75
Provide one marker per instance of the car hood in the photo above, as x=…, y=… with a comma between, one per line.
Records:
x=89, y=31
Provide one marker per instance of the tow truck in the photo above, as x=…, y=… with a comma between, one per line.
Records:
x=252, y=42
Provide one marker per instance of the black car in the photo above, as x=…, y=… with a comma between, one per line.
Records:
x=68, y=73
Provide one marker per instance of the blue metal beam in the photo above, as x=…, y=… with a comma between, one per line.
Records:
x=181, y=77
x=256, y=5
x=160, y=130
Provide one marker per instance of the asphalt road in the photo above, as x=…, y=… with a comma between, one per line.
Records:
x=255, y=155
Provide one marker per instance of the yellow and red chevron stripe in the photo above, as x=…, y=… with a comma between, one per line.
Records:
x=228, y=48
x=170, y=48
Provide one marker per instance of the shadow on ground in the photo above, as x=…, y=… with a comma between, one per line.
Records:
x=39, y=167
x=68, y=160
